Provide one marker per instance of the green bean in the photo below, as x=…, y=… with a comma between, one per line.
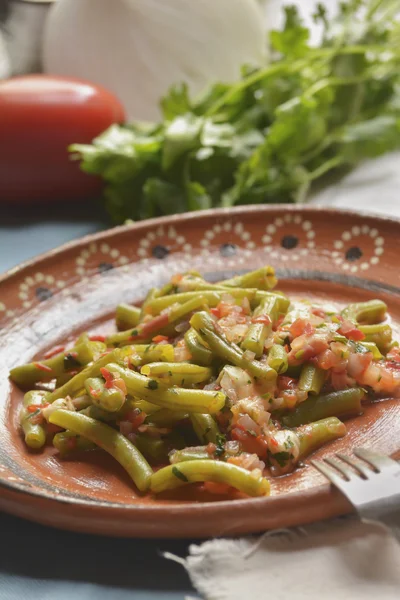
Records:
x=183, y=374
x=200, y=353
x=94, y=412
x=381, y=335
x=127, y=316
x=202, y=322
x=148, y=407
x=271, y=306
x=129, y=457
x=68, y=442
x=341, y=403
x=34, y=433
x=152, y=294
x=255, y=337
x=175, y=398
x=211, y=297
x=278, y=359
x=83, y=338
x=77, y=382
x=148, y=353
x=162, y=324
x=314, y=435
x=262, y=279
x=371, y=312
x=195, y=453
x=205, y=427
x=369, y=347
x=194, y=282
x=46, y=370
x=154, y=449
x=312, y=379
x=165, y=417
x=111, y=399
x=193, y=471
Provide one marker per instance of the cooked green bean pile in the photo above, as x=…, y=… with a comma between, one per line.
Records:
x=225, y=382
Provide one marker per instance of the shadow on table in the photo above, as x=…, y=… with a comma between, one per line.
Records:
x=41, y=553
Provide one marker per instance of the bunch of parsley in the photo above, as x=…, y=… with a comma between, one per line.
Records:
x=269, y=136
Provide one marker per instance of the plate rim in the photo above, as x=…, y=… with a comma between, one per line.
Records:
x=337, y=504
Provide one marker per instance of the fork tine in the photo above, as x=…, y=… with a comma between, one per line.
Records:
x=342, y=468
x=377, y=461
x=360, y=468
x=328, y=472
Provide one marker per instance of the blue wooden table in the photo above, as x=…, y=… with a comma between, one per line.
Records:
x=38, y=562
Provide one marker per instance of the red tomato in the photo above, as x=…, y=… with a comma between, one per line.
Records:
x=40, y=115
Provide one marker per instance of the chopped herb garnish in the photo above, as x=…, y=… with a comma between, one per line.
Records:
x=282, y=458
x=134, y=332
x=179, y=474
x=152, y=385
x=220, y=443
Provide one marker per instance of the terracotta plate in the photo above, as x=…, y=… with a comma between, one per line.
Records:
x=331, y=255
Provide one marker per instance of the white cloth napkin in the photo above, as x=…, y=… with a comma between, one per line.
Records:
x=343, y=559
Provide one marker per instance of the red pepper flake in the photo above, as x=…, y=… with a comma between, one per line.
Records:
x=106, y=352
x=160, y=338
x=263, y=319
x=216, y=312
x=97, y=338
x=273, y=442
x=54, y=351
x=43, y=367
x=32, y=408
x=94, y=393
x=108, y=376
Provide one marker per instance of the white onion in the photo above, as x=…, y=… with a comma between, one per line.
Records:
x=139, y=48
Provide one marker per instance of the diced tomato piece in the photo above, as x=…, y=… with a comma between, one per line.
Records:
x=326, y=360
x=358, y=363
x=301, y=326
x=211, y=448
x=250, y=443
x=54, y=351
x=32, y=408
x=108, y=376
x=349, y=330
x=136, y=417
x=394, y=354
x=286, y=383
x=216, y=312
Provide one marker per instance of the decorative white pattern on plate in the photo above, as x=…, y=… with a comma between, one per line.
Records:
x=352, y=254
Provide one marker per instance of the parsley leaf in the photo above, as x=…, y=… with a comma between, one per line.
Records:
x=269, y=136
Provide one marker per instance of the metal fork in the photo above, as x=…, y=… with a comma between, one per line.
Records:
x=372, y=486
